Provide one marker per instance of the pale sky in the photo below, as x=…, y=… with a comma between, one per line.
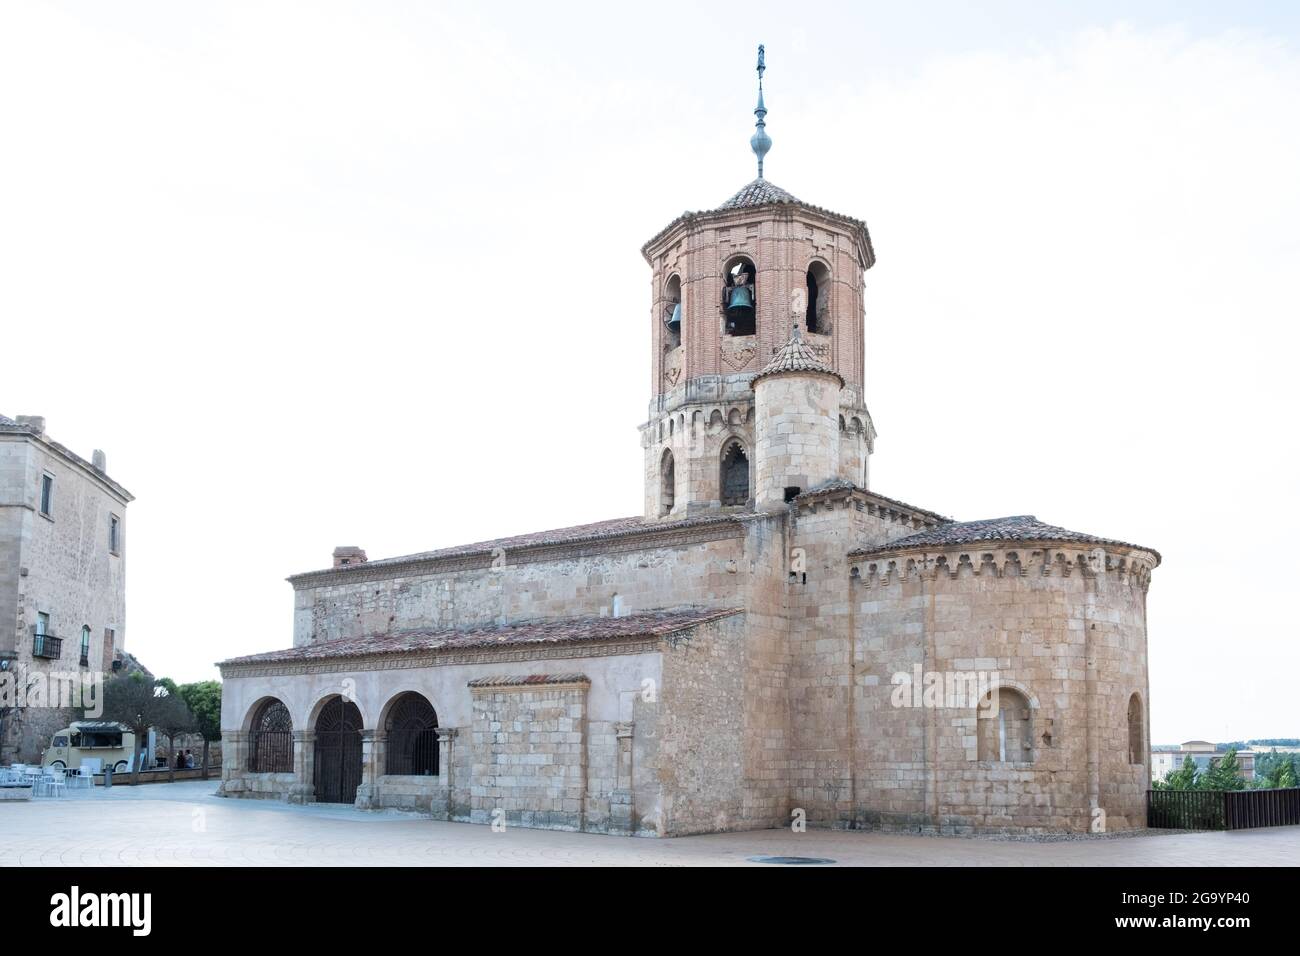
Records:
x=320, y=274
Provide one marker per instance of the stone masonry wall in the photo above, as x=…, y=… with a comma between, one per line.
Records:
x=1065, y=629
x=528, y=764
x=705, y=573
x=796, y=434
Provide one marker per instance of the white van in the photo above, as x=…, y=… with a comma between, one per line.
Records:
x=110, y=744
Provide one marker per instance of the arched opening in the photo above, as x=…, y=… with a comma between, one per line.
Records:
x=740, y=296
x=673, y=312
x=1005, y=731
x=270, y=739
x=1136, y=750
x=338, y=752
x=734, y=481
x=667, y=483
x=412, y=740
x=817, y=318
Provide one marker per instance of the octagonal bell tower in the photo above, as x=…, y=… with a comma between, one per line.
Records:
x=727, y=285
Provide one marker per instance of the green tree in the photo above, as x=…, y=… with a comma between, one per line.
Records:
x=171, y=717
x=1274, y=770
x=140, y=702
x=1224, y=774
x=1186, y=777
x=131, y=699
x=204, y=700
x=1286, y=777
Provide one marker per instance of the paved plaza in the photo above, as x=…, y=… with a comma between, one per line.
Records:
x=186, y=824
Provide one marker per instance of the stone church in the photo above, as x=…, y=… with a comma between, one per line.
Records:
x=771, y=641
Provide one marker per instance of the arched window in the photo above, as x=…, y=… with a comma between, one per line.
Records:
x=1136, y=751
x=1005, y=731
x=270, y=741
x=740, y=295
x=412, y=737
x=819, y=298
x=734, y=481
x=667, y=483
x=85, y=645
x=673, y=311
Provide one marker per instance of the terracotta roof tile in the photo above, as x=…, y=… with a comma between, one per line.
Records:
x=796, y=356
x=595, y=531
x=543, y=632
x=528, y=680
x=1011, y=528
x=758, y=193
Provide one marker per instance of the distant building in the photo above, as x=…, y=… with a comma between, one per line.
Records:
x=62, y=573
x=1203, y=753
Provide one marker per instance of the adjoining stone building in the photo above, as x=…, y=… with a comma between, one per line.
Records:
x=62, y=577
x=765, y=641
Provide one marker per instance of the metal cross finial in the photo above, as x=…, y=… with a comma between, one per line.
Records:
x=760, y=142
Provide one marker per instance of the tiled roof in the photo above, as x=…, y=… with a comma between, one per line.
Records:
x=595, y=531
x=569, y=630
x=1012, y=528
x=758, y=193
x=529, y=680
x=795, y=356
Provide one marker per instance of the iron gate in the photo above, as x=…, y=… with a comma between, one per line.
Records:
x=338, y=752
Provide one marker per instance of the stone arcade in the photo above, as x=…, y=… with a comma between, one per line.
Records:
x=732, y=657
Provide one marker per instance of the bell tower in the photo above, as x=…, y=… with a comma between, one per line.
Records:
x=727, y=285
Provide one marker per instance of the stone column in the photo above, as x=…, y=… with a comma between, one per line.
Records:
x=234, y=762
x=304, y=761
x=441, y=805
x=372, y=754
x=621, y=805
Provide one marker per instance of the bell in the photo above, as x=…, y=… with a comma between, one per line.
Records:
x=675, y=319
x=740, y=297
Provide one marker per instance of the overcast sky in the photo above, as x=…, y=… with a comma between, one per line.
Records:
x=320, y=274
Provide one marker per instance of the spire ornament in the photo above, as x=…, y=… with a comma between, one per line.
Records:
x=760, y=142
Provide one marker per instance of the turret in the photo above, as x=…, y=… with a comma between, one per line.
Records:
x=796, y=424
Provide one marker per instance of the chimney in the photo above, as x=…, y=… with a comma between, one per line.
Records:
x=98, y=460
x=346, y=554
x=35, y=422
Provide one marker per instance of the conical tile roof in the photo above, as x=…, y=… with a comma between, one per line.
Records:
x=796, y=356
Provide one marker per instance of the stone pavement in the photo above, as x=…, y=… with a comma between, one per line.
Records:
x=186, y=824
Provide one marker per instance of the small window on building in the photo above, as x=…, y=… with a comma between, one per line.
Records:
x=740, y=296
x=114, y=533
x=85, y=645
x=819, y=299
x=1005, y=733
x=667, y=483
x=47, y=495
x=1136, y=752
x=673, y=312
x=734, y=481
x=43, y=642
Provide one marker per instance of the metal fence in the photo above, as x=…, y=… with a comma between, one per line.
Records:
x=1222, y=809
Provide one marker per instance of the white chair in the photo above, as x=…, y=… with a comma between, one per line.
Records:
x=55, y=782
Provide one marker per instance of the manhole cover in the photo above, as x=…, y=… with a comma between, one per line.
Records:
x=791, y=860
